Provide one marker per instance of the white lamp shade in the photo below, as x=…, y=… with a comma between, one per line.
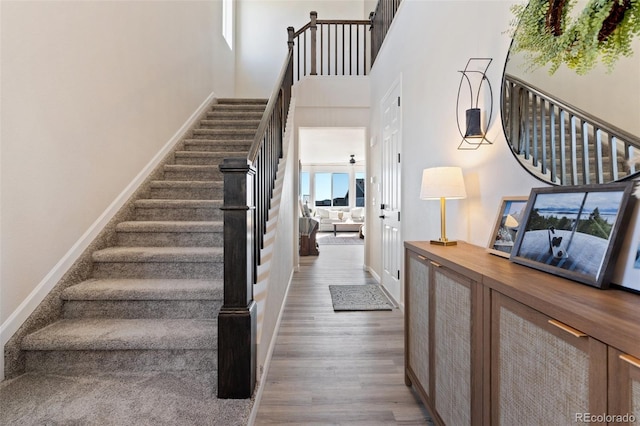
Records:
x=442, y=182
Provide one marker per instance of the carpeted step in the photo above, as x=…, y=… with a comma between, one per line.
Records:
x=218, y=145
x=230, y=124
x=234, y=114
x=107, y=345
x=205, y=158
x=137, y=298
x=192, y=172
x=239, y=107
x=186, y=190
x=169, y=233
x=224, y=133
x=178, y=210
x=158, y=262
x=231, y=101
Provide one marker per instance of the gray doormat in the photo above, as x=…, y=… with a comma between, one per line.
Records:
x=366, y=297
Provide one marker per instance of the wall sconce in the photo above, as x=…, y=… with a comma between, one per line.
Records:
x=442, y=183
x=474, y=74
x=353, y=160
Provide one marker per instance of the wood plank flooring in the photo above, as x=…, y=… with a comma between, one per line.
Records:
x=337, y=368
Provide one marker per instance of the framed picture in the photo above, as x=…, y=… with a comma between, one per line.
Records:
x=627, y=272
x=506, y=226
x=575, y=232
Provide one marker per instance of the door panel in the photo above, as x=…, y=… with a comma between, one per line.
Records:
x=390, y=192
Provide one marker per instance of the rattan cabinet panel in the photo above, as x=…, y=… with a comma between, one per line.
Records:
x=417, y=352
x=452, y=342
x=543, y=372
x=624, y=388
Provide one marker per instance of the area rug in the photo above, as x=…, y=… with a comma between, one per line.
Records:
x=350, y=238
x=365, y=297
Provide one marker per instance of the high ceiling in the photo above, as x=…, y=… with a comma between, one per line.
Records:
x=331, y=145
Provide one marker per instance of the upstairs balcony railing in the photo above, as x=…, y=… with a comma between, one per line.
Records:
x=381, y=20
x=561, y=143
x=331, y=47
x=321, y=47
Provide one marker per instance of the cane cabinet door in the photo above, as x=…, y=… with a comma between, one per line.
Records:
x=624, y=388
x=543, y=371
x=456, y=363
x=416, y=304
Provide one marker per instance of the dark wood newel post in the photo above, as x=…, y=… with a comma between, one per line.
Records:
x=313, y=28
x=237, y=318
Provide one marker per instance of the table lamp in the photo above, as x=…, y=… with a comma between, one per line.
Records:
x=442, y=183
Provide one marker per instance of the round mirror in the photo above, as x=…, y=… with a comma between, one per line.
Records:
x=571, y=129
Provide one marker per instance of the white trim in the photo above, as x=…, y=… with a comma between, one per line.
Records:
x=26, y=308
x=267, y=361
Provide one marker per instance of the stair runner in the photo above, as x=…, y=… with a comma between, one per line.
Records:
x=153, y=300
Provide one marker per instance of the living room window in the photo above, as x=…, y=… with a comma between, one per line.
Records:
x=305, y=187
x=332, y=189
x=359, y=189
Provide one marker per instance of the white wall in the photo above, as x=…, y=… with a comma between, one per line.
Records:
x=90, y=93
x=429, y=42
x=262, y=42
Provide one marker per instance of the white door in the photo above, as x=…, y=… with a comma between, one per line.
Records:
x=390, y=192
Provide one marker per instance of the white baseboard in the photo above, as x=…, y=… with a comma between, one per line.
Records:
x=20, y=315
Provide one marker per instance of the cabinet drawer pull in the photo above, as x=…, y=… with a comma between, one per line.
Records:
x=422, y=257
x=566, y=328
x=437, y=265
x=630, y=359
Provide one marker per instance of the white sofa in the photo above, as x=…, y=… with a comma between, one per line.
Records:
x=351, y=219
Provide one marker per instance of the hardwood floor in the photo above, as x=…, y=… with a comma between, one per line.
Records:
x=337, y=368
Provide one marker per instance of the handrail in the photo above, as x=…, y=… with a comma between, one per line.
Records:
x=264, y=122
x=561, y=143
x=583, y=115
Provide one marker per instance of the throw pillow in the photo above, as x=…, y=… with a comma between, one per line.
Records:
x=334, y=215
x=322, y=213
x=357, y=212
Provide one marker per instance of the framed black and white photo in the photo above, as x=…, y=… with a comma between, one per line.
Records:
x=575, y=232
x=506, y=226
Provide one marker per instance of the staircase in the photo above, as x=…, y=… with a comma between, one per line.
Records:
x=153, y=299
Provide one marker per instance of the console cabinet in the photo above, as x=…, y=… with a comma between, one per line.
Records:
x=489, y=342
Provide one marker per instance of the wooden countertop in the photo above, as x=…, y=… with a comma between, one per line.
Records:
x=611, y=316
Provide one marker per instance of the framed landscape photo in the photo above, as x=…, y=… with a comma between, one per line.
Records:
x=575, y=232
x=506, y=226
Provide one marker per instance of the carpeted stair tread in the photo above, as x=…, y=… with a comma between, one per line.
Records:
x=159, y=254
x=227, y=101
x=170, y=226
x=145, y=289
x=230, y=133
x=235, y=114
x=124, y=334
x=199, y=204
x=211, y=154
x=185, y=184
x=221, y=142
x=239, y=107
x=237, y=123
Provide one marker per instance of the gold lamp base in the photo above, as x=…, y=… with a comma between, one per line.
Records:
x=443, y=240
x=443, y=243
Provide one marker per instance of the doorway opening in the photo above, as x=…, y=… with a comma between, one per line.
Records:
x=332, y=186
